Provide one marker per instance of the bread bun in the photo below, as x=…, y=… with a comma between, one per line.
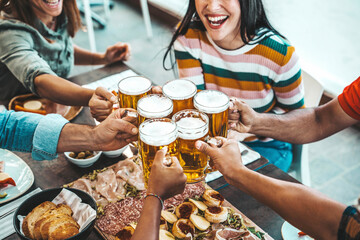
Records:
x=185, y=209
x=29, y=221
x=213, y=198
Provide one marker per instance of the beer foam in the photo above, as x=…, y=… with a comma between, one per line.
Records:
x=153, y=105
x=134, y=85
x=158, y=133
x=179, y=89
x=192, y=128
x=211, y=101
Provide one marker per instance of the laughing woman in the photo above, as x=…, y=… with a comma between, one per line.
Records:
x=230, y=46
x=37, y=53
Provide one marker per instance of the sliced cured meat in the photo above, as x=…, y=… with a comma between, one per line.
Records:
x=120, y=214
x=84, y=185
x=190, y=191
x=120, y=190
x=106, y=185
x=131, y=173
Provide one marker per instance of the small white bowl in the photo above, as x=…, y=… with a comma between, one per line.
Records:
x=115, y=153
x=83, y=163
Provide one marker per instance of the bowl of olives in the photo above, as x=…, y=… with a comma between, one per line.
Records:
x=83, y=159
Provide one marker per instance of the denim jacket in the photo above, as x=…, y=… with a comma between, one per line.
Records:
x=29, y=132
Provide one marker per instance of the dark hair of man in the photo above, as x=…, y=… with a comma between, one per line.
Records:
x=253, y=18
x=22, y=10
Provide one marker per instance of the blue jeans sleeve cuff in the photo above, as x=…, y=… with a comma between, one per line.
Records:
x=46, y=137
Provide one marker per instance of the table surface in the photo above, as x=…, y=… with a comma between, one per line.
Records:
x=57, y=172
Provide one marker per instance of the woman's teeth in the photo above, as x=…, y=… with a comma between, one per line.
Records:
x=217, y=21
x=51, y=2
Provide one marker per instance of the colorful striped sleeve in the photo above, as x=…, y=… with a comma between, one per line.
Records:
x=287, y=83
x=189, y=65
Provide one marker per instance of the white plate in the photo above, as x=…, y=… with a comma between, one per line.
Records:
x=19, y=171
x=289, y=232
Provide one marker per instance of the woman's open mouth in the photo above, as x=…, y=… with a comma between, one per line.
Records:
x=216, y=21
x=52, y=3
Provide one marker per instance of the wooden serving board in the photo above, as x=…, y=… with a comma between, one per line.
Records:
x=247, y=221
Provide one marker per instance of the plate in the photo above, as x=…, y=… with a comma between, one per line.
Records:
x=289, y=232
x=68, y=112
x=19, y=171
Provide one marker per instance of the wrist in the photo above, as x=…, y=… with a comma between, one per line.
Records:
x=237, y=176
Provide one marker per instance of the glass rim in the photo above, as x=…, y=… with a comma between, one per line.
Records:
x=134, y=93
x=172, y=136
x=209, y=109
x=192, y=94
x=192, y=133
x=159, y=114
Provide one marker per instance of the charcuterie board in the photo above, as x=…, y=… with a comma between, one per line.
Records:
x=123, y=209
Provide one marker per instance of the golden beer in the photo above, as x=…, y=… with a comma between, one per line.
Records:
x=192, y=126
x=215, y=104
x=182, y=92
x=154, y=106
x=155, y=134
x=131, y=89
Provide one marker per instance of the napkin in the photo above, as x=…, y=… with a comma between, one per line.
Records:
x=82, y=212
x=248, y=156
x=7, y=214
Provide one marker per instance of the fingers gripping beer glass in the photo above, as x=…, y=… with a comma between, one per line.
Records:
x=192, y=126
x=131, y=89
x=181, y=91
x=215, y=104
x=155, y=134
x=154, y=106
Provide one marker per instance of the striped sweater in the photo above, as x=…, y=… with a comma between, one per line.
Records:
x=265, y=74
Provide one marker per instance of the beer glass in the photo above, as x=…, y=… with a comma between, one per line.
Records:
x=192, y=126
x=181, y=91
x=215, y=104
x=155, y=134
x=131, y=89
x=154, y=106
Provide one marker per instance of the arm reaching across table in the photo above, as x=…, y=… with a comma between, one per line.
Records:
x=44, y=136
x=301, y=125
x=302, y=206
x=164, y=182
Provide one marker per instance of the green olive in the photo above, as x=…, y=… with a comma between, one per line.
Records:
x=72, y=155
x=81, y=155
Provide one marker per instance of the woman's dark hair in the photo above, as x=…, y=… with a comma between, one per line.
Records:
x=253, y=18
x=22, y=10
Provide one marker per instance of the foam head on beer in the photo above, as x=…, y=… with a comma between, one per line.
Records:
x=211, y=101
x=179, y=89
x=158, y=133
x=154, y=106
x=134, y=85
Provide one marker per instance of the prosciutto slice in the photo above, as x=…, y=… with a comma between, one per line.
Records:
x=106, y=185
x=131, y=173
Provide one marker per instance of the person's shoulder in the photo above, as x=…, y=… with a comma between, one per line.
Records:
x=13, y=26
x=273, y=41
x=196, y=30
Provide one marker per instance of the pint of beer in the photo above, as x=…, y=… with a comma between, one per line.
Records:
x=154, y=134
x=154, y=106
x=192, y=126
x=215, y=104
x=131, y=89
x=181, y=91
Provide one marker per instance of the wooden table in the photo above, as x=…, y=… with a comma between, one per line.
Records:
x=55, y=173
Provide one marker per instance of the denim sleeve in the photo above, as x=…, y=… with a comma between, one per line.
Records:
x=17, y=130
x=29, y=132
x=46, y=137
